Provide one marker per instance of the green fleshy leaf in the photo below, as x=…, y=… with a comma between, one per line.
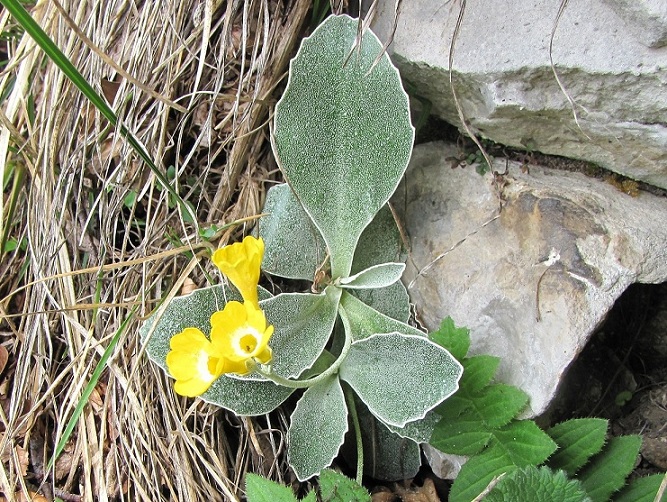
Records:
x=377, y=276
x=366, y=321
x=317, y=429
x=259, y=489
x=455, y=340
x=642, y=490
x=380, y=243
x=392, y=301
x=342, y=133
x=537, y=485
x=294, y=247
x=607, y=471
x=303, y=323
x=578, y=440
x=251, y=396
x=242, y=396
x=478, y=372
x=334, y=487
x=400, y=390
x=193, y=310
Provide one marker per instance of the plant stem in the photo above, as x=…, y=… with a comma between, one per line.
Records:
x=349, y=397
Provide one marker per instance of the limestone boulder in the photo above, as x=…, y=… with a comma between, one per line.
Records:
x=534, y=280
x=645, y=19
x=604, y=100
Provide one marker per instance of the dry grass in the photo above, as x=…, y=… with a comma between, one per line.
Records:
x=98, y=231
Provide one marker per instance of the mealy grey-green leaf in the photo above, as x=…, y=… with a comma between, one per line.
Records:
x=317, y=429
x=374, y=277
x=400, y=389
x=366, y=321
x=303, y=323
x=342, y=133
x=294, y=247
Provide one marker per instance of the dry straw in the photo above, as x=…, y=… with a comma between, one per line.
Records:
x=196, y=82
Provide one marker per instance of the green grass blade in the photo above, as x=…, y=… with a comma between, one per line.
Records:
x=55, y=54
x=89, y=389
x=18, y=177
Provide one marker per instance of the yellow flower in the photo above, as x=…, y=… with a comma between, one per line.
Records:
x=195, y=362
x=240, y=262
x=241, y=332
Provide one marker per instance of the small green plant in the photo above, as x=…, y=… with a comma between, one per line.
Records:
x=343, y=139
x=332, y=487
x=512, y=459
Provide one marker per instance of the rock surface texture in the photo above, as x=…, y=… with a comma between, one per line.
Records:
x=607, y=105
x=533, y=281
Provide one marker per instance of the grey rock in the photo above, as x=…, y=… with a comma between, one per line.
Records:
x=646, y=19
x=444, y=466
x=610, y=107
x=533, y=281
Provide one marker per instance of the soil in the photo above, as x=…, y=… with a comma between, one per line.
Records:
x=621, y=375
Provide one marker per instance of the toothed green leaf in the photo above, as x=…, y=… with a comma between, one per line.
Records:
x=455, y=340
x=578, y=440
x=334, y=487
x=537, y=485
x=607, y=471
x=643, y=490
x=259, y=489
x=478, y=372
x=518, y=444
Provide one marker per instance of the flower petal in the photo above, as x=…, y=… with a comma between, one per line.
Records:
x=191, y=388
x=241, y=263
x=230, y=318
x=265, y=356
x=240, y=332
x=187, y=339
x=194, y=362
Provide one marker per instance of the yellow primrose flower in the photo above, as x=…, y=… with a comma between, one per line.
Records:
x=240, y=262
x=195, y=362
x=241, y=332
